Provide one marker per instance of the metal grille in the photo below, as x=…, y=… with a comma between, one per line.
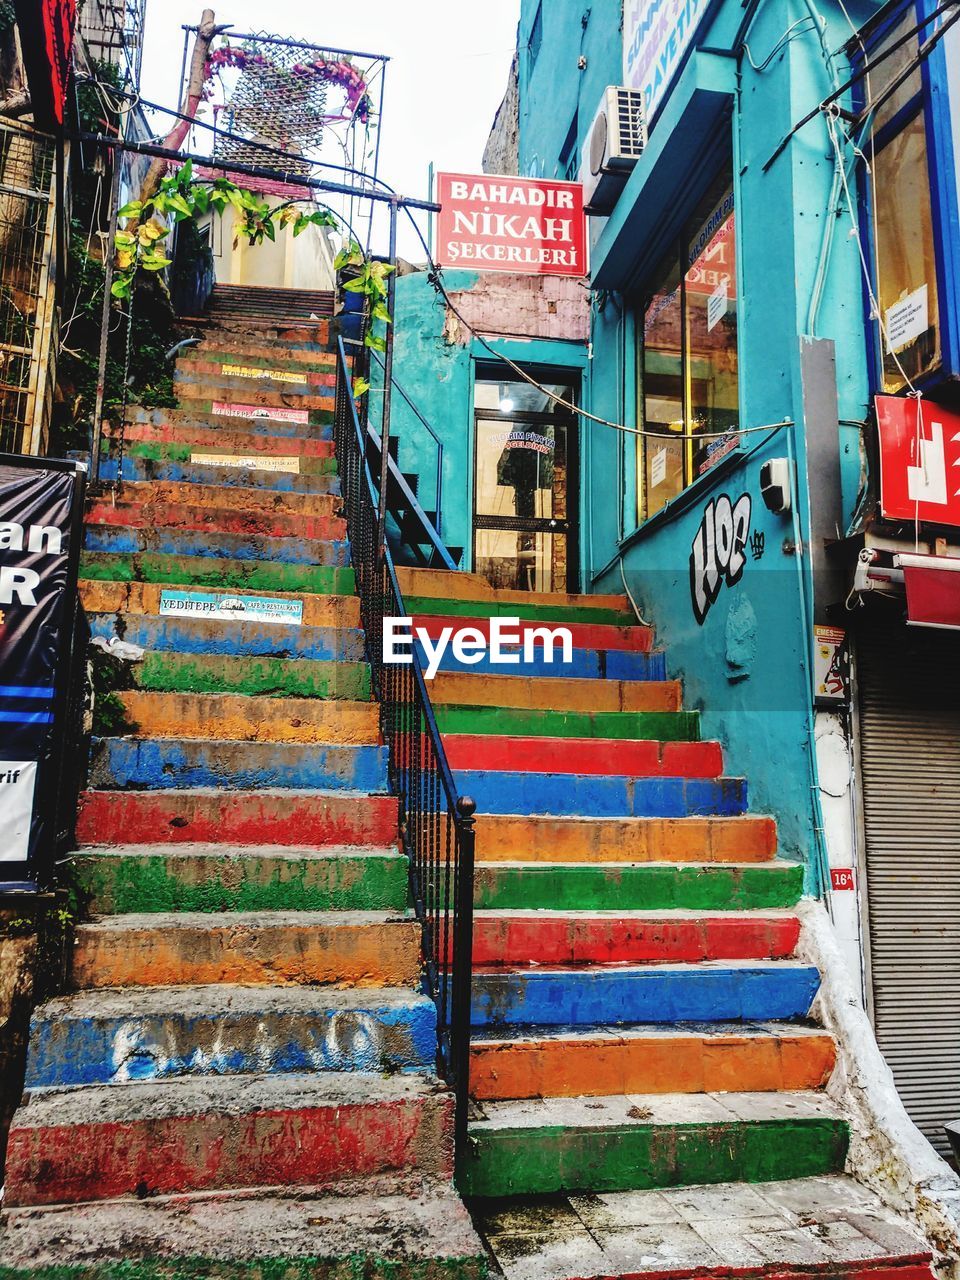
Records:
x=909, y=682
x=631, y=124
x=112, y=31
x=26, y=230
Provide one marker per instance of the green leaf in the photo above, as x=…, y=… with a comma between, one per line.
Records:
x=380, y=312
x=375, y=343
x=131, y=210
x=270, y=230
x=155, y=264
x=121, y=288
x=355, y=286
x=235, y=197
x=360, y=387
x=201, y=199
x=186, y=172
x=124, y=240
x=179, y=203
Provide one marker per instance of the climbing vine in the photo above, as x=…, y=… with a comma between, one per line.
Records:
x=140, y=244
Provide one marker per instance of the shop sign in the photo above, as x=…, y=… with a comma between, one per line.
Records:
x=932, y=586
x=521, y=225
x=831, y=664
x=230, y=608
x=247, y=461
x=40, y=510
x=919, y=461
x=656, y=36
x=225, y=410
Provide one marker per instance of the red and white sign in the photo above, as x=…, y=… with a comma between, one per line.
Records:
x=525, y=225
x=932, y=584
x=919, y=461
x=841, y=878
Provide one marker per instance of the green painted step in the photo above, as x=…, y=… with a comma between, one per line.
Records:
x=208, y=571
x=282, y=677
x=521, y=722
x=427, y=605
x=166, y=451
x=151, y=878
x=645, y=887
x=638, y=1143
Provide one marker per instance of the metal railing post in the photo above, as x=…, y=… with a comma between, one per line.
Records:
x=108, y=259
x=387, y=385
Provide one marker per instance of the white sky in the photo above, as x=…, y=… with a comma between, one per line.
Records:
x=445, y=80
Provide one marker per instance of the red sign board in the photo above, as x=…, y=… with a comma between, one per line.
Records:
x=932, y=584
x=919, y=461
x=489, y=223
x=841, y=878
x=46, y=39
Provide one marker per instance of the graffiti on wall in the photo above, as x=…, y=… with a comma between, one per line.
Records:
x=717, y=555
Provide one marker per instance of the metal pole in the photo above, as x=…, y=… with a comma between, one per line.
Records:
x=387, y=385
x=462, y=972
x=105, y=318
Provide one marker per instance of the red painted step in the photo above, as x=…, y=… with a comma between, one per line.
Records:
x=203, y=439
x=162, y=1138
x=266, y=524
x=290, y=818
x=601, y=756
x=585, y=635
x=555, y=938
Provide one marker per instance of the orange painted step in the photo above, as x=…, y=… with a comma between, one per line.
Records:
x=619, y=1060
x=464, y=688
x=523, y=838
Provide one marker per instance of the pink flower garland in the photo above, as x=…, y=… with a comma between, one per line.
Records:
x=341, y=73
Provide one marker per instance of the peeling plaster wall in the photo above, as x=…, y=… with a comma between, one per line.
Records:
x=501, y=154
x=887, y=1151
x=522, y=306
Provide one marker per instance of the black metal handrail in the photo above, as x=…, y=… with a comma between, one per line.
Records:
x=436, y=823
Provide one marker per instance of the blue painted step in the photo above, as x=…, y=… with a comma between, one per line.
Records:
x=595, y=995
x=232, y=477
x=244, y=639
x=105, y=1037
x=602, y=796
x=124, y=540
x=158, y=764
x=588, y=664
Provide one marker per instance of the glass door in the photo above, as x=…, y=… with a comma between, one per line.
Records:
x=525, y=476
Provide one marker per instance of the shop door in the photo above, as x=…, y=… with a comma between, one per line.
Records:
x=525, y=488
x=909, y=702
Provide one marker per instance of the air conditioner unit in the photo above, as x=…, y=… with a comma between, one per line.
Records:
x=613, y=146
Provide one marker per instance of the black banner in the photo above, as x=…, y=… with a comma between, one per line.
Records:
x=41, y=506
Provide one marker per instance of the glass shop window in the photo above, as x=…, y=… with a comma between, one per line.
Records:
x=688, y=392
x=900, y=200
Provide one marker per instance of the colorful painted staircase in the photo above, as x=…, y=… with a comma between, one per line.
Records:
x=239, y=1081
x=648, y=1084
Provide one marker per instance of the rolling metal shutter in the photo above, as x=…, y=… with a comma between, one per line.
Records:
x=909, y=690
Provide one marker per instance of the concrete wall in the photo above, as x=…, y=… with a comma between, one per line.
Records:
x=746, y=665
x=533, y=320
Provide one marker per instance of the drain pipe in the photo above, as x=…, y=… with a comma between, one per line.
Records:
x=799, y=554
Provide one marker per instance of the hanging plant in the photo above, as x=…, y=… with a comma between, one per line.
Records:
x=340, y=72
x=140, y=244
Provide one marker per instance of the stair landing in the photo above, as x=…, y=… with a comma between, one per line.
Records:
x=807, y=1226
